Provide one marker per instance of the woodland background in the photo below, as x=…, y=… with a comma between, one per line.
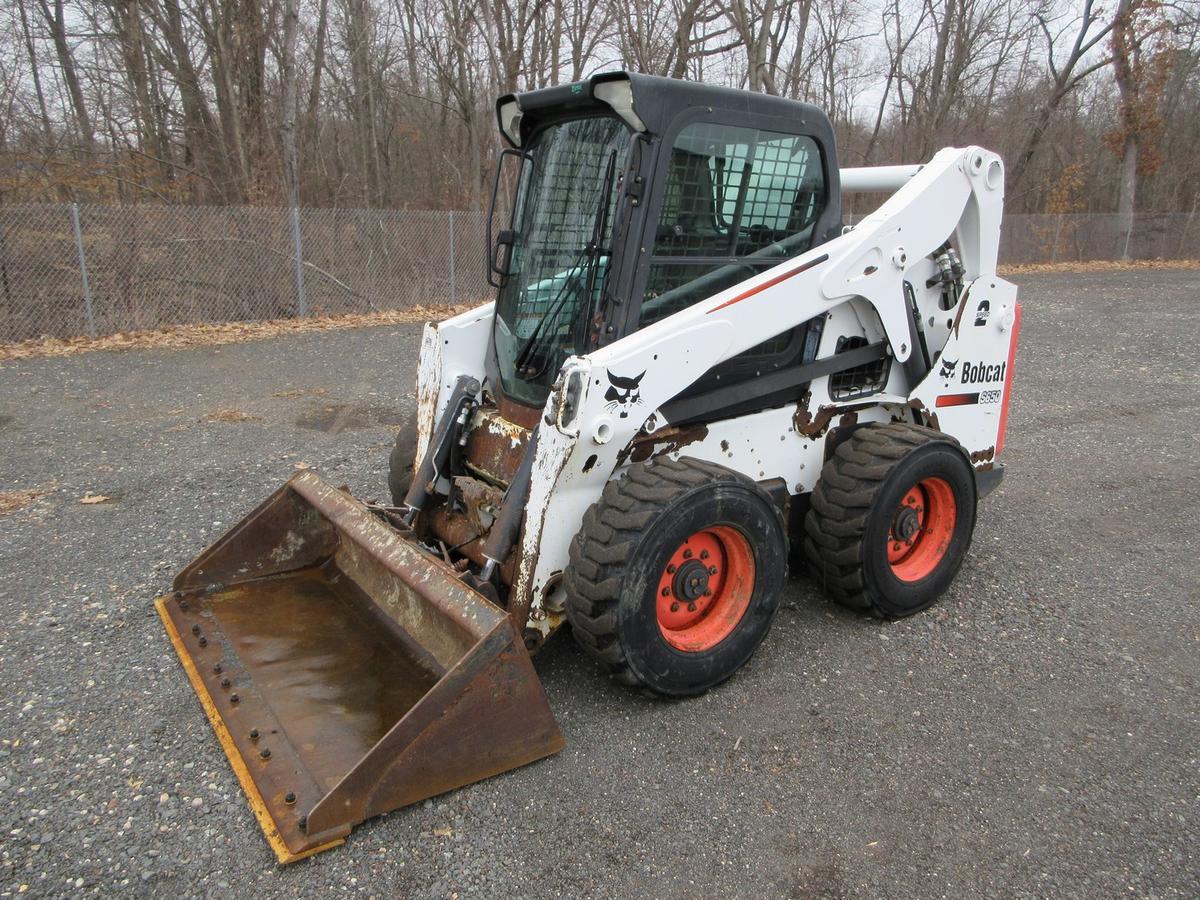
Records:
x=388, y=104
x=167, y=162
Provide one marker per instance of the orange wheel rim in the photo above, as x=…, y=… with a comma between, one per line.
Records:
x=921, y=529
x=705, y=589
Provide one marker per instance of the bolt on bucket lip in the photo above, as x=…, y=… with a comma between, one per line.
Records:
x=346, y=672
x=258, y=805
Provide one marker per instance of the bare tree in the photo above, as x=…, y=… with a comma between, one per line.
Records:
x=287, y=125
x=56, y=21
x=391, y=102
x=1141, y=61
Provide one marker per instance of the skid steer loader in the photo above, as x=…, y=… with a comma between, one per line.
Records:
x=692, y=371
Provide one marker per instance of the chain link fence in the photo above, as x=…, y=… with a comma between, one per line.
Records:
x=68, y=270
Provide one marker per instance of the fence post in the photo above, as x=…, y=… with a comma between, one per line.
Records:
x=453, y=299
x=298, y=250
x=87, y=288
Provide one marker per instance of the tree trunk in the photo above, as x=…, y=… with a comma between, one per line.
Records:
x=37, y=79
x=1123, y=43
x=314, y=90
x=1126, y=199
x=287, y=127
x=66, y=61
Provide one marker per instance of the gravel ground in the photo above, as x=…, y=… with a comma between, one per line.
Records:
x=1034, y=734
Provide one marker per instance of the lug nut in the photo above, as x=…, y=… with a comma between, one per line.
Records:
x=217, y=668
x=264, y=753
x=183, y=605
x=303, y=823
x=704, y=554
x=225, y=682
x=712, y=570
x=179, y=595
x=289, y=798
x=687, y=554
x=254, y=734
x=671, y=569
x=707, y=592
x=195, y=629
x=234, y=698
x=674, y=607
x=203, y=642
x=691, y=607
x=666, y=592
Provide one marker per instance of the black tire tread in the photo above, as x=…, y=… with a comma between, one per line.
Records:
x=401, y=461
x=611, y=529
x=843, y=498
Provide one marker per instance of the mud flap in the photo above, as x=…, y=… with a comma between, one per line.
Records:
x=345, y=671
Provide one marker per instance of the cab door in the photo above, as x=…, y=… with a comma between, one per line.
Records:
x=732, y=200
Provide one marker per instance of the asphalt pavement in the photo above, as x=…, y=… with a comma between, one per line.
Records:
x=1034, y=734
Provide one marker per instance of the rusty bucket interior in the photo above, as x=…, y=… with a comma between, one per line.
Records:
x=347, y=672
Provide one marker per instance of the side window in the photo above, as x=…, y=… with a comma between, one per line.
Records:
x=737, y=201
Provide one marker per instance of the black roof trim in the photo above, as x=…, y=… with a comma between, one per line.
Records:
x=656, y=100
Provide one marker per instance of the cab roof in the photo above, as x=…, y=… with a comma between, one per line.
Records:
x=647, y=103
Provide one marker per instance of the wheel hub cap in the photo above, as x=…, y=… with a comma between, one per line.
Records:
x=691, y=581
x=705, y=588
x=921, y=529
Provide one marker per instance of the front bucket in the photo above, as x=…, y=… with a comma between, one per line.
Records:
x=346, y=672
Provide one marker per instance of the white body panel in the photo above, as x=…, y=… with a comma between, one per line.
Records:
x=856, y=280
x=457, y=346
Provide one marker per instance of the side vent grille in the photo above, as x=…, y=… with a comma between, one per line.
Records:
x=861, y=380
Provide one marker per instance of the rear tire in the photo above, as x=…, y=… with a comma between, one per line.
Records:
x=402, y=461
x=891, y=519
x=676, y=575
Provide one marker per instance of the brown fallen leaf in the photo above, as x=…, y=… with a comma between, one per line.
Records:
x=230, y=415
x=1096, y=265
x=89, y=498
x=293, y=393
x=11, y=501
x=443, y=832
x=201, y=335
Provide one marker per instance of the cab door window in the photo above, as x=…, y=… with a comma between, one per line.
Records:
x=737, y=201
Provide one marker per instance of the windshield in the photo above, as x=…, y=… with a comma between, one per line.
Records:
x=561, y=248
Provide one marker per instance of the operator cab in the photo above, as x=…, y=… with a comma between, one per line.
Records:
x=633, y=197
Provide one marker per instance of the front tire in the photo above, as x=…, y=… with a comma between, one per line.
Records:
x=676, y=575
x=891, y=519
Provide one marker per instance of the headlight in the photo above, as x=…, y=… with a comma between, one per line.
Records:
x=570, y=402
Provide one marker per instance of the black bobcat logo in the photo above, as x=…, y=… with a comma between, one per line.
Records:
x=948, y=367
x=623, y=393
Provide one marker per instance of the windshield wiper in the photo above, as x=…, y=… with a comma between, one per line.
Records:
x=592, y=252
x=552, y=312
x=599, y=229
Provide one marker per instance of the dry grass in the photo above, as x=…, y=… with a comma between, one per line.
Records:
x=182, y=336
x=1105, y=265
x=11, y=501
x=295, y=393
x=230, y=415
